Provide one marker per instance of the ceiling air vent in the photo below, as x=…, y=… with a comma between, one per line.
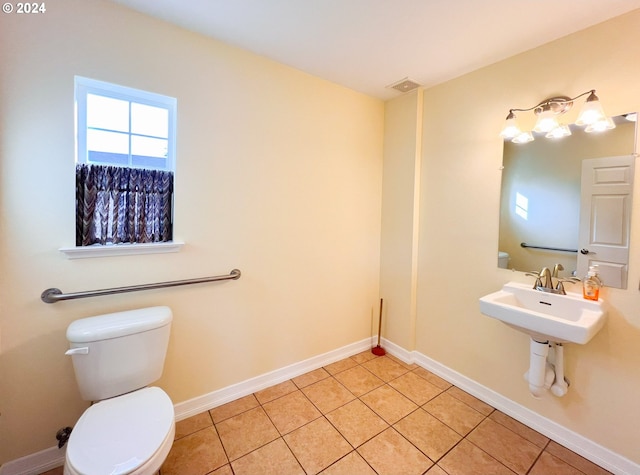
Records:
x=404, y=85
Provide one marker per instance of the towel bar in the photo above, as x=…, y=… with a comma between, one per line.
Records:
x=560, y=249
x=54, y=295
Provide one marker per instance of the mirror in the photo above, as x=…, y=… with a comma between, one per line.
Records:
x=540, y=205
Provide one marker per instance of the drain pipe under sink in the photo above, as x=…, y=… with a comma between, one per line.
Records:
x=560, y=386
x=540, y=374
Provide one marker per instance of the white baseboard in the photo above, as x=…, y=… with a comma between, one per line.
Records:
x=588, y=449
x=53, y=457
x=35, y=463
x=217, y=398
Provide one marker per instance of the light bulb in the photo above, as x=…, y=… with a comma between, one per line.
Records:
x=559, y=132
x=546, y=120
x=591, y=111
x=600, y=125
x=511, y=128
x=523, y=137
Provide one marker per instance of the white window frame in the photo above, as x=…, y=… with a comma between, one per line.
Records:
x=84, y=86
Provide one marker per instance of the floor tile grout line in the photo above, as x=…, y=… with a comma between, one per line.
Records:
x=346, y=455
x=462, y=437
x=343, y=435
x=414, y=445
x=537, y=458
x=293, y=453
x=494, y=458
x=565, y=461
x=224, y=449
x=485, y=417
x=306, y=423
x=541, y=449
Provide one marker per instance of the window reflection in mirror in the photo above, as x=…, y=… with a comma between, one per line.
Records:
x=540, y=197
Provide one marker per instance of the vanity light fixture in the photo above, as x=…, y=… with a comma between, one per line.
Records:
x=591, y=116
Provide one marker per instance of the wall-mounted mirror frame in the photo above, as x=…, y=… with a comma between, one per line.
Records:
x=541, y=201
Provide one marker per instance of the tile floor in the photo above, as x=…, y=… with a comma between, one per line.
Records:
x=364, y=415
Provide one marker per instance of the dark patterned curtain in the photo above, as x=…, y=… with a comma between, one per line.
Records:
x=122, y=205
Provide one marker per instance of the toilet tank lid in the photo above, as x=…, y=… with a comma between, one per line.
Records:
x=118, y=324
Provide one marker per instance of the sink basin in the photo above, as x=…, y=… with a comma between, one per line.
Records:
x=545, y=316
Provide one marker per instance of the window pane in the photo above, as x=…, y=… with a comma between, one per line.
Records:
x=149, y=120
x=101, y=141
x=106, y=158
x=107, y=113
x=158, y=163
x=149, y=147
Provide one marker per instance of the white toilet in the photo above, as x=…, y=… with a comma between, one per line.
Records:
x=130, y=429
x=503, y=259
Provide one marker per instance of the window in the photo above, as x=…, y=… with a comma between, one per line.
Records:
x=124, y=127
x=125, y=163
x=522, y=206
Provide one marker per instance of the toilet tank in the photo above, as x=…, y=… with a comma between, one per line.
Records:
x=120, y=352
x=503, y=260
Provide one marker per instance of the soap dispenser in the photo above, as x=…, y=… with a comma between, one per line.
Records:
x=591, y=284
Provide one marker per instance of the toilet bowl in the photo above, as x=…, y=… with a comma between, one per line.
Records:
x=130, y=427
x=126, y=435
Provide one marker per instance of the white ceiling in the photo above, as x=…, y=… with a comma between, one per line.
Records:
x=367, y=45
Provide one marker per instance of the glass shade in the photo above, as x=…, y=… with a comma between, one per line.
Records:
x=510, y=129
x=600, y=125
x=546, y=121
x=559, y=132
x=523, y=137
x=591, y=111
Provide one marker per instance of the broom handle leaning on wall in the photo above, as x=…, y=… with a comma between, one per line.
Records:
x=380, y=323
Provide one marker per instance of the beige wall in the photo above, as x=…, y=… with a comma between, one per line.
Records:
x=458, y=240
x=400, y=218
x=278, y=174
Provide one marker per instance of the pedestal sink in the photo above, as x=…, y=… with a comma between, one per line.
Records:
x=545, y=316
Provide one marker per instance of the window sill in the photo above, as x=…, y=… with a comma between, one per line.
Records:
x=97, y=250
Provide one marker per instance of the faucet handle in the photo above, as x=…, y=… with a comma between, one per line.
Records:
x=560, y=286
x=537, y=275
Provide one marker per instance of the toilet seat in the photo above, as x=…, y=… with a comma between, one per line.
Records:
x=128, y=434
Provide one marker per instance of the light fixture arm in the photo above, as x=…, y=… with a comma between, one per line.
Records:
x=556, y=100
x=591, y=115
